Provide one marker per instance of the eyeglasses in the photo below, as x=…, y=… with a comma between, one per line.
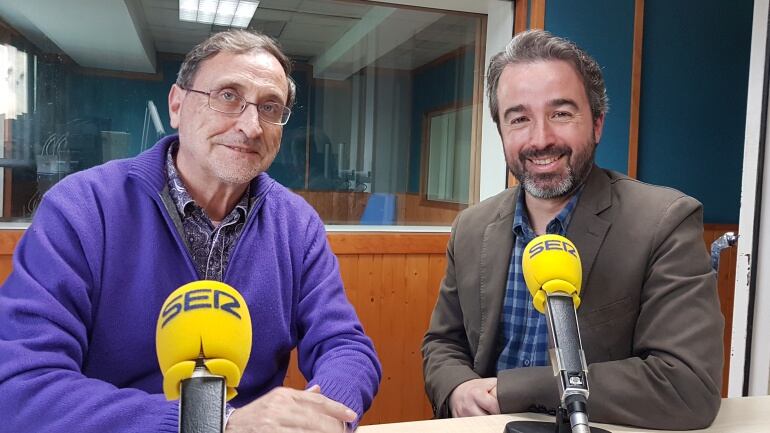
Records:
x=229, y=102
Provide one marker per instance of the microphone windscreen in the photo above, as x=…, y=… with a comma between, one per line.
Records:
x=551, y=264
x=203, y=319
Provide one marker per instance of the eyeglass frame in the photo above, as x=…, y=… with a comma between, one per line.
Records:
x=244, y=103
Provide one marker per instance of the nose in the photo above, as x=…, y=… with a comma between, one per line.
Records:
x=248, y=122
x=542, y=134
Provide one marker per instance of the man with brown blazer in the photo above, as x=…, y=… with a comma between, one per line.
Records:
x=649, y=318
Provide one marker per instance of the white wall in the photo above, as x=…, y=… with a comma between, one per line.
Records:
x=759, y=362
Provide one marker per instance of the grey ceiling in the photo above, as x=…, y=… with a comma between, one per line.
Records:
x=337, y=37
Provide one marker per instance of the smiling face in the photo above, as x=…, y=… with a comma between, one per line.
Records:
x=218, y=149
x=549, y=136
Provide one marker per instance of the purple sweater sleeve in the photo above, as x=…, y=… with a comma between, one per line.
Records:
x=46, y=313
x=333, y=351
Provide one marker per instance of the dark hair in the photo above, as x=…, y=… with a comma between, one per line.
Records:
x=537, y=45
x=238, y=42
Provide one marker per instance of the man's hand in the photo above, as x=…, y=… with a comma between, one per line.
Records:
x=475, y=397
x=291, y=410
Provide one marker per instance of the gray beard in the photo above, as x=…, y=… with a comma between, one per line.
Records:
x=575, y=177
x=564, y=187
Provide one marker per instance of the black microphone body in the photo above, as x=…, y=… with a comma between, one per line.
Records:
x=202, y=400
x=568, y=359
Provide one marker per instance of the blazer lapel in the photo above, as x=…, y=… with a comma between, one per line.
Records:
x=587, y=230
x=493, y=276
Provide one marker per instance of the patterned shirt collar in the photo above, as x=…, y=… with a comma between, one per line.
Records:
x=182, y=200
x=558, y=225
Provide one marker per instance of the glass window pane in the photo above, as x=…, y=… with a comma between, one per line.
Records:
x=449, y=152
x=383, y=130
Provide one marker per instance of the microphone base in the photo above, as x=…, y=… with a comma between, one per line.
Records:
x=543, y=427
x=562, y=425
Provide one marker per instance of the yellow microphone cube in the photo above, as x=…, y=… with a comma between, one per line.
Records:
x=551, y=264
x=203, y=319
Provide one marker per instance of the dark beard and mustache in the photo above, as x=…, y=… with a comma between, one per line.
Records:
x=547, y=186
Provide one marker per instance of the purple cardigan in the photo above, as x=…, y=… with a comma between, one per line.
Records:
x=78, y=312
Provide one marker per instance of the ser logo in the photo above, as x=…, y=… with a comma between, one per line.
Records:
x=551, y=245
x=200, y=298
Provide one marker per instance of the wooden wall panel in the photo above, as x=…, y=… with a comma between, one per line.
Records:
x=393, y=293
x=636, y=88
x=520, y=16
x=537, y=17
x=392, y=280
x=8, y=241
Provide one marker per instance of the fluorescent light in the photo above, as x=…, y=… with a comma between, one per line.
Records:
x=246, y=9
x=229, y=13
x=207, y=11
x=225, y=12
x=188, y=10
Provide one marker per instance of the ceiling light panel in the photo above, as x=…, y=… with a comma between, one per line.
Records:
x=227, y=13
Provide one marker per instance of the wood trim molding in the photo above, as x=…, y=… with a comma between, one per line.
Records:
x=425, y=148
x=520, y=16
x=388, y=243
x=510, y=181
x=636, y=89
x=537, y=17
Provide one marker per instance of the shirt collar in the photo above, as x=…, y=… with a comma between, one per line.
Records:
x=178, y=191
x=558, y=225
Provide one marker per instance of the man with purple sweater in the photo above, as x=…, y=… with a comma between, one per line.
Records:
x=109, y=244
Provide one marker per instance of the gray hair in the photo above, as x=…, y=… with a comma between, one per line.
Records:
x=237, y=42
x=538, y=45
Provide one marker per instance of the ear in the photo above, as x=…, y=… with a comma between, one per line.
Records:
x=598, y=128
x=175, y=97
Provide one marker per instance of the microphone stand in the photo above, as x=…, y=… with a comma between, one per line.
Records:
x=202, y=402
x=562, y=425
x=570, y=366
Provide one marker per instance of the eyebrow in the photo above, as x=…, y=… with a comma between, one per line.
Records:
x=240, y=88
x=562, y=101
x=558, y=102
x=515, y=109
x=226, y=84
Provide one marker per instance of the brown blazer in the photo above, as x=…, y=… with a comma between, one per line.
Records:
x=649, y=319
